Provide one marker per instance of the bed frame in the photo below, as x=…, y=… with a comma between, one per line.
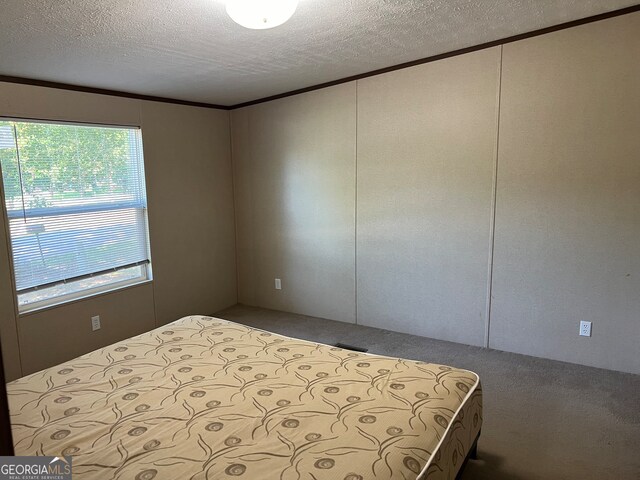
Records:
x=6, y=442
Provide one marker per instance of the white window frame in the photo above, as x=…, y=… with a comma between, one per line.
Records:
x=58, y=300
x=146, y=275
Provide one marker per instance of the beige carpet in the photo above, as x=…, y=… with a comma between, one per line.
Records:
x=542, y=419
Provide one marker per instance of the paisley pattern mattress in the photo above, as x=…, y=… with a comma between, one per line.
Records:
x=205, y=398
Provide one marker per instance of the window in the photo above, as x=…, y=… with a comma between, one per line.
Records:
x=77, y=209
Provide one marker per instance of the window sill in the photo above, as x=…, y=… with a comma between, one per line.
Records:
x=63, y=303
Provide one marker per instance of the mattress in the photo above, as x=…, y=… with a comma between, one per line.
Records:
x=205, y=398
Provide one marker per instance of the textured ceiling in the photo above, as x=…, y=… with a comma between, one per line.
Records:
x=191, y=50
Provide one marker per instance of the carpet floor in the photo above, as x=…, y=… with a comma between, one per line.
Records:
x=543, y=419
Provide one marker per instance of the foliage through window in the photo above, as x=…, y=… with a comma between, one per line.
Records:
x=77, y=210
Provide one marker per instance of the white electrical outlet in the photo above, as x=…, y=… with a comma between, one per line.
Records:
x=278, y=284
x=585, y=329
x=95, y=323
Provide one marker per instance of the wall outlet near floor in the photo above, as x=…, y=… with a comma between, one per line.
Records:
x=95, y=323
x=585, y=329
x=278, y=284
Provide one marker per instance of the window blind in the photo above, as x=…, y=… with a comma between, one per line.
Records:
x=75, y=198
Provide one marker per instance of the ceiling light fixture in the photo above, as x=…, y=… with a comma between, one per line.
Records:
x=261, y=14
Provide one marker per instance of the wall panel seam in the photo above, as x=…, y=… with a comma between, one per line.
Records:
x=355, y=214
x=492, y=218
x=235, y=207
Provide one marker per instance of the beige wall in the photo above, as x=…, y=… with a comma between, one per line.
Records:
x=56, y=335
x=426, y=155
x=191, y=220
x=567, y=202
x=568, y=206
x=294, y=173
x=189, y=185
